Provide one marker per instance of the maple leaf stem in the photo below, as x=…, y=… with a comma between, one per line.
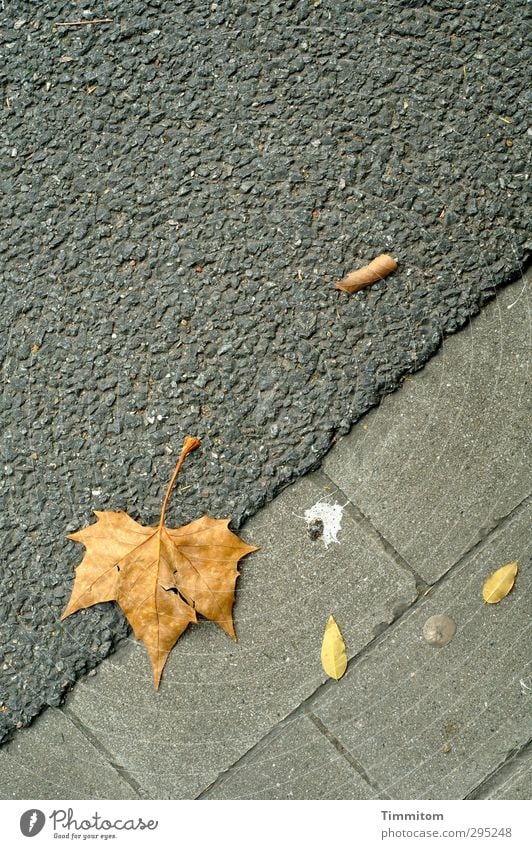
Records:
x=190, y=444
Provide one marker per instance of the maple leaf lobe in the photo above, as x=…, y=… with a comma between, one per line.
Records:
x=206, y=567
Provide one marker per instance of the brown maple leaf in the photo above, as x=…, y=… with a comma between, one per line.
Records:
x=161, y=577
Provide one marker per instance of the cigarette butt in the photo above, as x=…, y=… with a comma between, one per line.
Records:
x=377, y=269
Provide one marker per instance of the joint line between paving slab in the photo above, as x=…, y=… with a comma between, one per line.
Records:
x=94, y=741
x=421, y=585
x=471, y=552
x=270, y=735
x=301, y=709
x=305, y=706
x=361, y=519
x=499, y=525
x=242, y=760
x=496, y=525
x=490, y=781
x=346, y=754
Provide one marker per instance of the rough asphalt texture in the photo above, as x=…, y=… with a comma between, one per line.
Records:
x=181, y=189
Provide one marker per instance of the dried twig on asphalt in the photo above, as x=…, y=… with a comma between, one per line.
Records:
x=84, y=23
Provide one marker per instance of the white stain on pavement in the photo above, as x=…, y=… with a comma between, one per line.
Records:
x=331, y=516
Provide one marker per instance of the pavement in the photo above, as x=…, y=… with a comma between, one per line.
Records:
x=433, y=486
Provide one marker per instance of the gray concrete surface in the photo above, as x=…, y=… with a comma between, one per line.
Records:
x=296, y=762
x=54, y=760
x=512, y=781
x=431, y=723
x=257, y=719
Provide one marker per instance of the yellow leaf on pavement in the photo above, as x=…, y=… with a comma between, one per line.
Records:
x=333, y=655
x=499, y=584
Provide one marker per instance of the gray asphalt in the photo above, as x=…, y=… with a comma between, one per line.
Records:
x=181, y=189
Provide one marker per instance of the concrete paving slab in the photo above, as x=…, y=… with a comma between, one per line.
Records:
x=444, y=458
x=513, y=781
x=218, y=698
x=54, y=760
x=433, y=723
x=294, y=762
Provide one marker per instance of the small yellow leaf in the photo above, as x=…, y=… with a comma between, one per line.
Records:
x=333, y=656
x=499, y=584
